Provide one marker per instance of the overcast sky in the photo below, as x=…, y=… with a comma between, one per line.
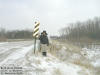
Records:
x=52, y=14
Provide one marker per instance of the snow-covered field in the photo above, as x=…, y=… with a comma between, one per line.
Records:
x=93, y=54
x=21, y=54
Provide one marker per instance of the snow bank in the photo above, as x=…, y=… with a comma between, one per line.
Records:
x=51, y=66
x=93, y=54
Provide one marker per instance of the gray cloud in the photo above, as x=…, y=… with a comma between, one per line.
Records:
x=52, y=14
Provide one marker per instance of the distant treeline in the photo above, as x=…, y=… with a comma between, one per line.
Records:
x=81, y=30
x=15, y=34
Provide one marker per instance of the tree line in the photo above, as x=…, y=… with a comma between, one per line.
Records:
x=79, y=30
x=15, y=34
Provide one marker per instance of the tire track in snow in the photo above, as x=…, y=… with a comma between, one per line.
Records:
x=13, y=54
x=4, y=55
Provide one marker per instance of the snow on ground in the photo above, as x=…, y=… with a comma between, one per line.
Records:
x=21, y=53
x=12, y=50
x=5, y=46
x=49, y=65
x=93, y=54
x=16, y=55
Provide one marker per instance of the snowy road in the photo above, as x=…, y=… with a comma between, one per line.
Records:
x=21, y=54
x=11, y=51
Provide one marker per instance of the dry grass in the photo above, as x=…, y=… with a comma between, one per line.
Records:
x=37, y=62
x=3, y=39
x=82, y=40
x=83, y=63
x=68, y=54
x=54, y=47
x=57, y=72
x=97, y=71
x=83, y=72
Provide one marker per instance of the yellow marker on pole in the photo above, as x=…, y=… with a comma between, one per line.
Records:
x=36, y=34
